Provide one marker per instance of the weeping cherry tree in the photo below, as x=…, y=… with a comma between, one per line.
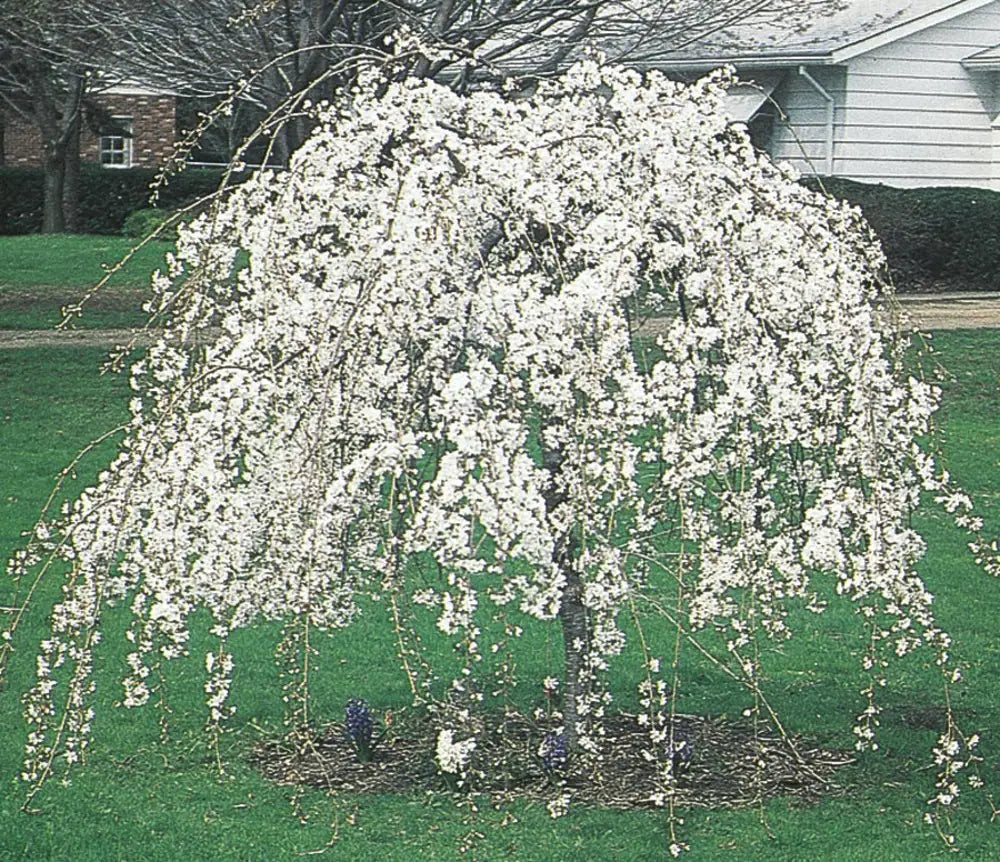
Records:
x=432, y=357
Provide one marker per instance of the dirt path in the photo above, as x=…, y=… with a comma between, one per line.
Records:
x=952, y=310
x=922, y=311
x=928, y=311
x=12, y=339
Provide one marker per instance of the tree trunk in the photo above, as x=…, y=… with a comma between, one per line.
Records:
x=54, y=182
x=576, y=644
x=58, y=118
x=71, y=180
x=573, y=613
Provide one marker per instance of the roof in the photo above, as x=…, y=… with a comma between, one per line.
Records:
x=130, y=89
x=861, y=27
x=102, y=82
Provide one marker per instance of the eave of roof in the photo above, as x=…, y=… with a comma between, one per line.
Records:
x=745, y=60
x=135, y=90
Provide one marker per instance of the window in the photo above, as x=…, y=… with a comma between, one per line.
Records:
x=116, y=144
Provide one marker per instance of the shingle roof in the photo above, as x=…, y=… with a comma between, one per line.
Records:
x=862, y=23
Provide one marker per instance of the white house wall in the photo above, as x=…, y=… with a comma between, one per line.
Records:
x=913, y=116
x=802, y=140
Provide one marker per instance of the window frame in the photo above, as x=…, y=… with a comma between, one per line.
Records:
x=111, y=145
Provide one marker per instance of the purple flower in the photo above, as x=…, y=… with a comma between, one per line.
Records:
x=554, y=752
x=681, y=749
x=360, y=727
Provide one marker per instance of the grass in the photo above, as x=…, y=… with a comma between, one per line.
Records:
x=139, y=797
x=39, y=275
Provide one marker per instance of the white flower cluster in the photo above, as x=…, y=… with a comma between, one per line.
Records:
x=453, y=756
x=427, y=359
x=559, y=806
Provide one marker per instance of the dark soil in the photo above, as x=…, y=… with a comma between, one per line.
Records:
x=729, y=766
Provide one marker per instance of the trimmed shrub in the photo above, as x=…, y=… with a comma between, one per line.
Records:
x=107, y=197
x=935, y=238
x=143, y=222
x=20, y=200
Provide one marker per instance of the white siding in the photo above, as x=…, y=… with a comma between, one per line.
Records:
x=802, y=140
x=912, y=115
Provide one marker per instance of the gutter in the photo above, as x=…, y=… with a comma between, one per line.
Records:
x=740, y=61
x=830, y=107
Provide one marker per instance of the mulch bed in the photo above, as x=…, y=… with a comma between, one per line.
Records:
x=729, y=767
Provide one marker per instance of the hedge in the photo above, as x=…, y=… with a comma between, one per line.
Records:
x=107, y=197
x=936, y=238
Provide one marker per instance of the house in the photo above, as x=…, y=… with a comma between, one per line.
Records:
x=901, y=92
x=126, y=126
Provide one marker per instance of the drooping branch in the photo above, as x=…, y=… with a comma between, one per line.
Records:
x=424, y=359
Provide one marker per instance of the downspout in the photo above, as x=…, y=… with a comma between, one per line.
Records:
x=818, y=87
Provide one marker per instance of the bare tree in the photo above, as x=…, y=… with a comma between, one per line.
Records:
x=274, y=50
x=265, y=54
x=49, y=52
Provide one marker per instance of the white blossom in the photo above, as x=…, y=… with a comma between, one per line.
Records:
x=427, y=362
x=453, y=756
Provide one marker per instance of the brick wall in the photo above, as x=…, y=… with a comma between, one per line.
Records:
x=22, y=144
x=154, y=127
x=154, y=130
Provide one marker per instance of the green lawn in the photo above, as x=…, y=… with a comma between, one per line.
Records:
x=39, y=275
x=139, y=798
